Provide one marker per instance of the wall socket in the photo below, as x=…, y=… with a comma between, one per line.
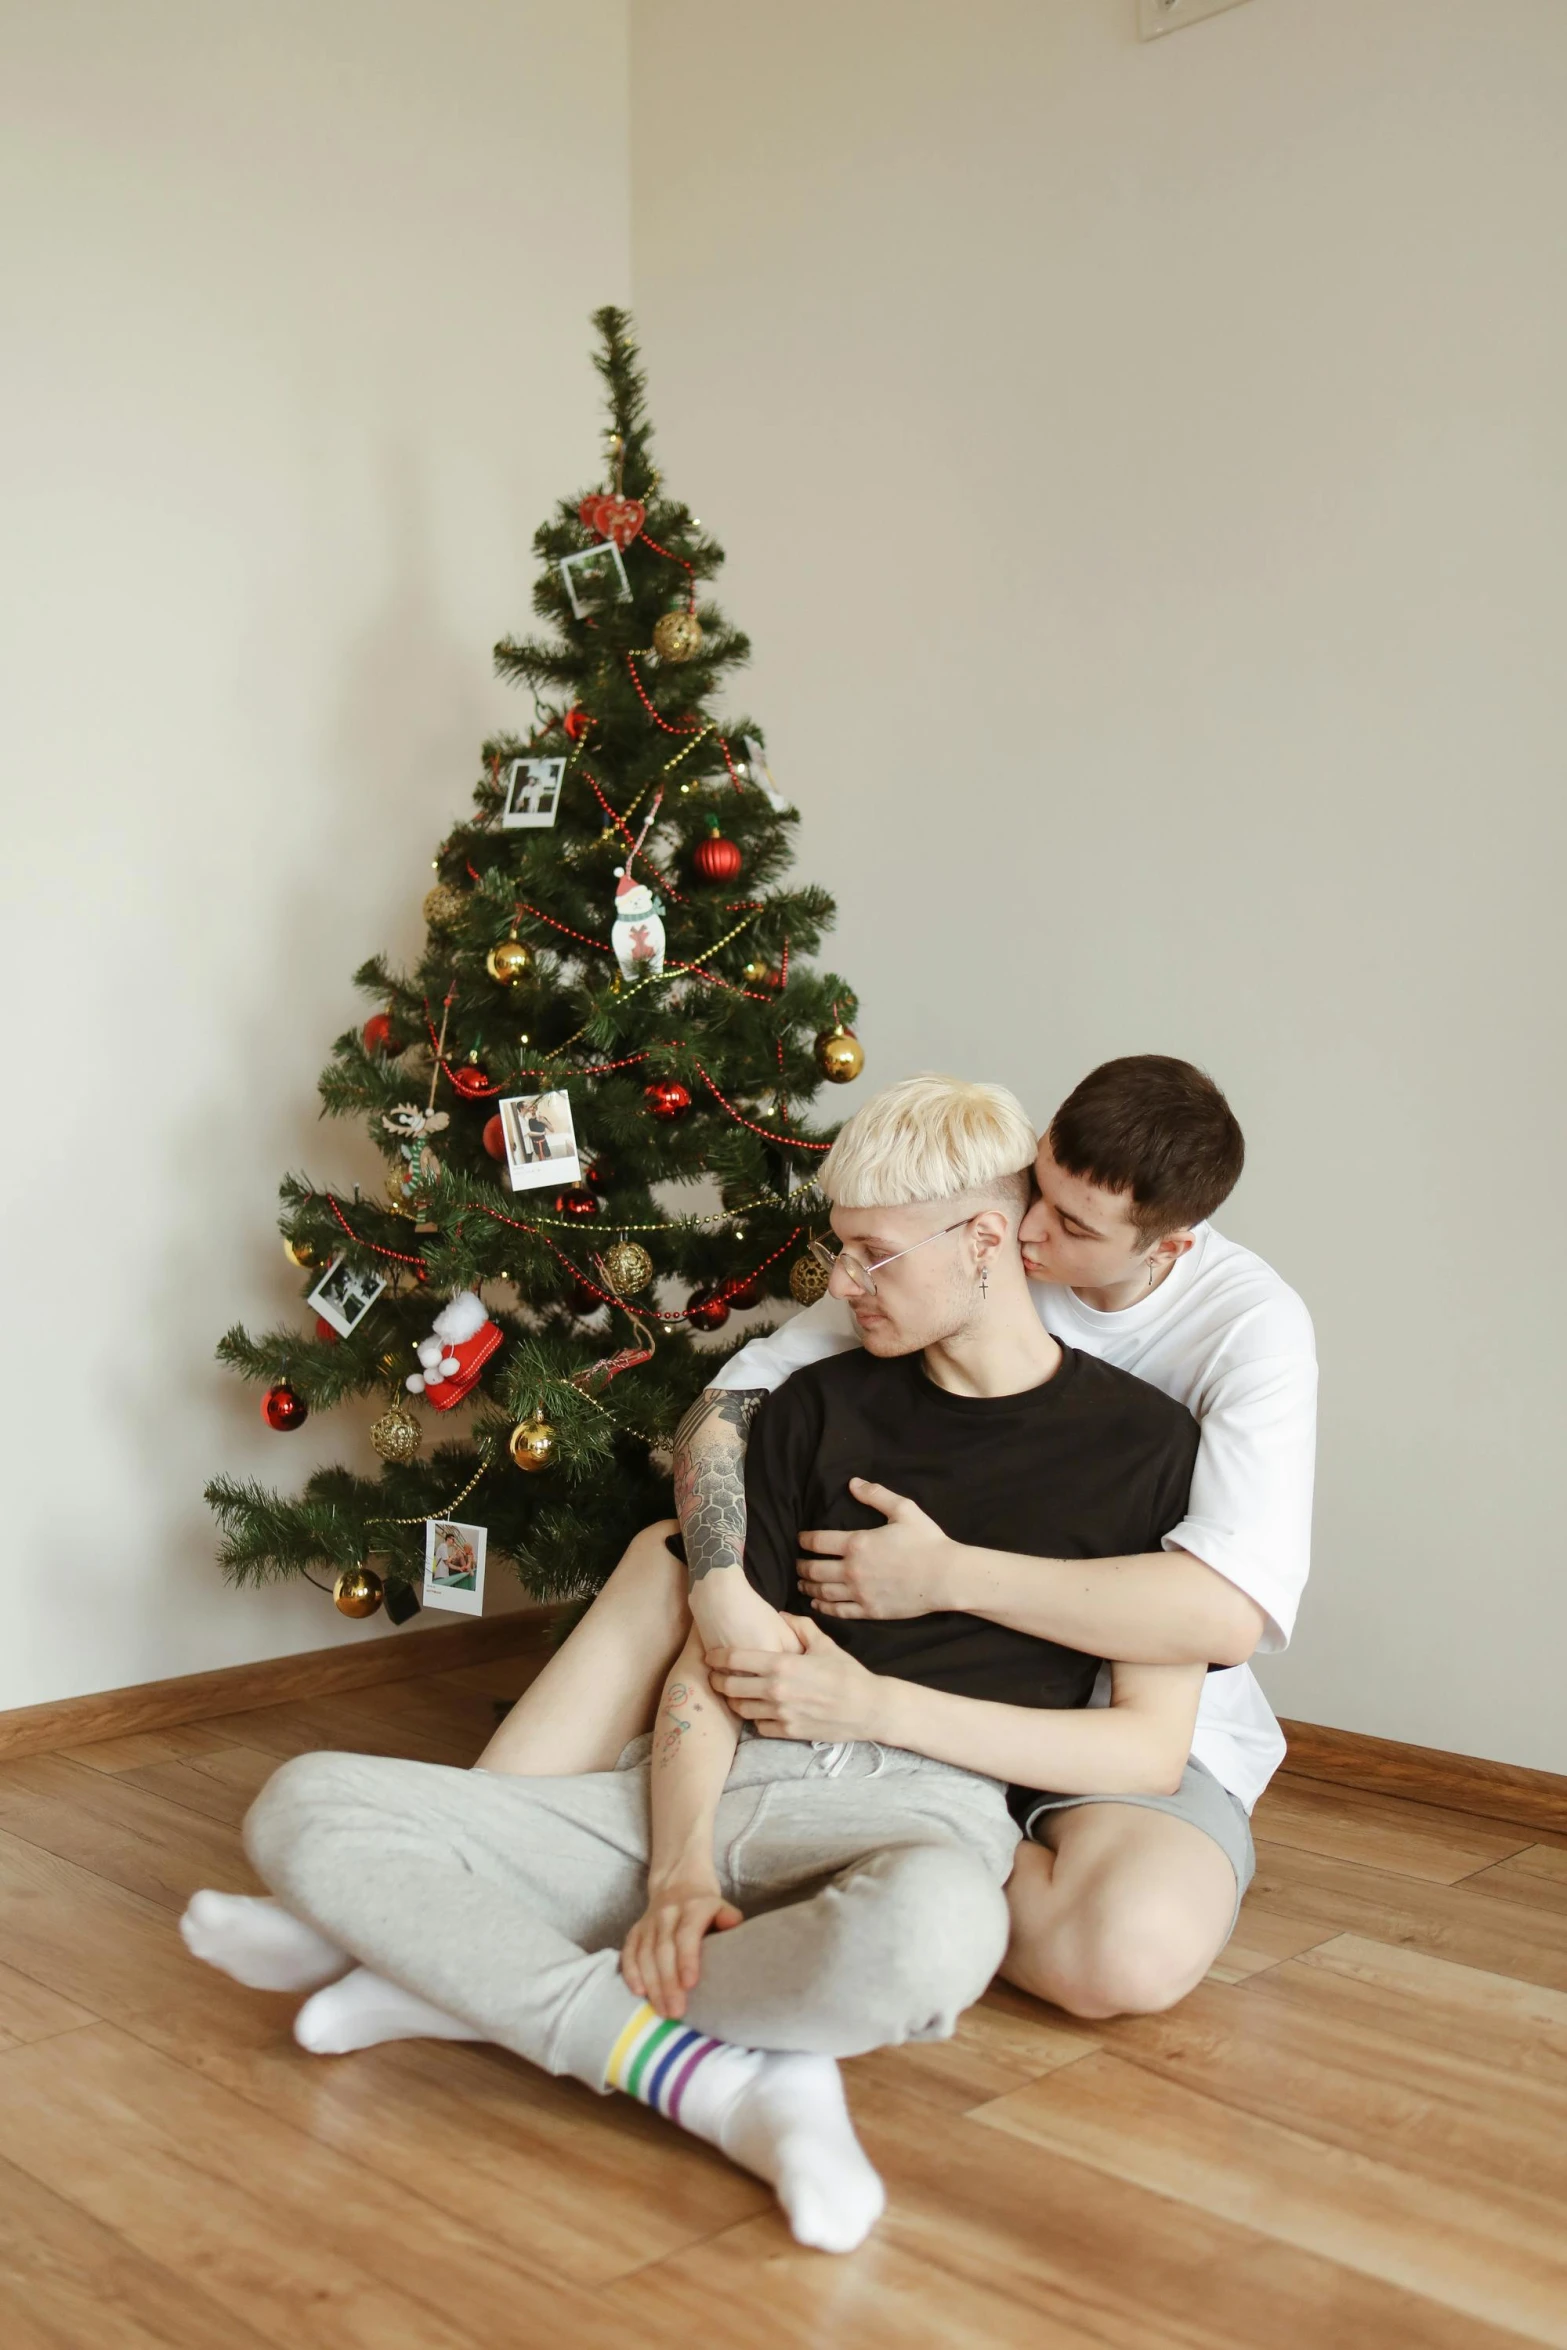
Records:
x=1155, y=17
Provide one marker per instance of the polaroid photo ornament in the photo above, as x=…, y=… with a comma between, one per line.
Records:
x=532, y=800
x=540, y=1139
x=343, y=1297
x=595, y=578
x=454, y=1566
x=762, y=776
x=461, y=1341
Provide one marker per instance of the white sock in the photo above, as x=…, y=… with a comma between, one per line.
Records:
x=782, y=2117
x=364, y=2009
x=259, y=1942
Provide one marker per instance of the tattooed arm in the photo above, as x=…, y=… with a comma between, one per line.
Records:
x=710, y=1498
x=694, y=1735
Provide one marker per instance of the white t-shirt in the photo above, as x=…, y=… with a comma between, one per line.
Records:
x=1225, y=1336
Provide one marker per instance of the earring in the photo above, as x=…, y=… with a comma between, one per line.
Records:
x=1150, y=1272
x=984, y=1283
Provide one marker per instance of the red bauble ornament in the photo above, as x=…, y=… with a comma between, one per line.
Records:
x=706, y=1311
x=494, y=1138
x=470, y=1081
x=325, y=1330
x=575, y=724
x=717, y=859
x=377, y=1033
x=742, y=1295
x=585, y=1299
x=579, y=1201
x=282, y=1409
x=667, y=1100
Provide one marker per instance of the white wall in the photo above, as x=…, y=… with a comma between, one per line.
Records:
x=298, y=305
x=1143, y=473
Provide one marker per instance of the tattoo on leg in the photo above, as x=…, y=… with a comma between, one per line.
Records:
x=710, y=1476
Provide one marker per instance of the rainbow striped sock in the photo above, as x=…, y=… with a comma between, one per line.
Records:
x=656, y=2061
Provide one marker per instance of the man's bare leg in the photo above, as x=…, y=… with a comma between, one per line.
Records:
x=1122, y=1913
x=600, y=1687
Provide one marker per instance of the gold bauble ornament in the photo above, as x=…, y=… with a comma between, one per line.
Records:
x=395, y=1435
x=358, y=1591
x=444, y=907
x=301, y=1253
x=807, y=1281
x=840, y=1056
x=677, y=636
x=627, y=1267
x=532, y=1445
x=508, y=961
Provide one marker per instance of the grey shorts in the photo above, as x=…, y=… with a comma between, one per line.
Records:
x=1201, y=1799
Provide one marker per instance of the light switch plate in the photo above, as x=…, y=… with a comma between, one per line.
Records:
x=1155, y=17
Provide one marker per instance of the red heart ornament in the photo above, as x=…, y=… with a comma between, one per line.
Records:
x=614, y=518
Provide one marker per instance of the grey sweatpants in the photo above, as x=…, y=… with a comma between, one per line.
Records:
x=871, y=1882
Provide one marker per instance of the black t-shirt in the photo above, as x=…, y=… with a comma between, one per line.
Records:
x=1093, y=1464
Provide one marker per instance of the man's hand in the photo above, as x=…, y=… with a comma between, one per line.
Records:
x=662, y=1956
x=822, y=1693
x=904, y=1568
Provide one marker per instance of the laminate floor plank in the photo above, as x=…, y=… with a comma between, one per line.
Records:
x=1513, y=2031
x=1482, y=2256
x=425, y=1731
x=499, y=1677
x=66, y=2280
x=119, y=1831
x=1260, y=1941
x=1006, y=2040
x=31, y=2011
x=84, y=1937
x=1446, y=1921
x=1437, y=2113
x=578, y=2187
x=222, y=1785
x=1537, y=1876
x=1408, y=1839
x=754, y=2288
x=1129, y=2265
x=137, y=1748
x=313, y=2251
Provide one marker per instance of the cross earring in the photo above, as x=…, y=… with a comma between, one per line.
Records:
x=1150, y=1272
x=984, y=1283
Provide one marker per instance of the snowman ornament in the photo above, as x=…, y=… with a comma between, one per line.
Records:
x=638, y=935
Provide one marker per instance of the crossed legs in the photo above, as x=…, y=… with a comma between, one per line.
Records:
x=1121, y=1912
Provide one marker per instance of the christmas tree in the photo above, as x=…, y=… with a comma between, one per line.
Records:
x=615, y=1003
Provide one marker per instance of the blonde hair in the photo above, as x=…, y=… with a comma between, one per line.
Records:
x=932, y=1138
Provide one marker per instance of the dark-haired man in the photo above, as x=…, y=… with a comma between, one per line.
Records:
x=1121, y=1905
x=1118, y=1905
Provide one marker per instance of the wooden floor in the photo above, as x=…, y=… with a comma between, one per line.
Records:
x=1352, y=2135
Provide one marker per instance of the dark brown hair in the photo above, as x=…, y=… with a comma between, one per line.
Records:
x=1157, y=1128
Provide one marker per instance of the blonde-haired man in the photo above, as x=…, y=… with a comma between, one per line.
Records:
x=711, y=1924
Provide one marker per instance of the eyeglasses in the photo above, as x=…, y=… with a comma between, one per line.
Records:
x=830, y=1259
